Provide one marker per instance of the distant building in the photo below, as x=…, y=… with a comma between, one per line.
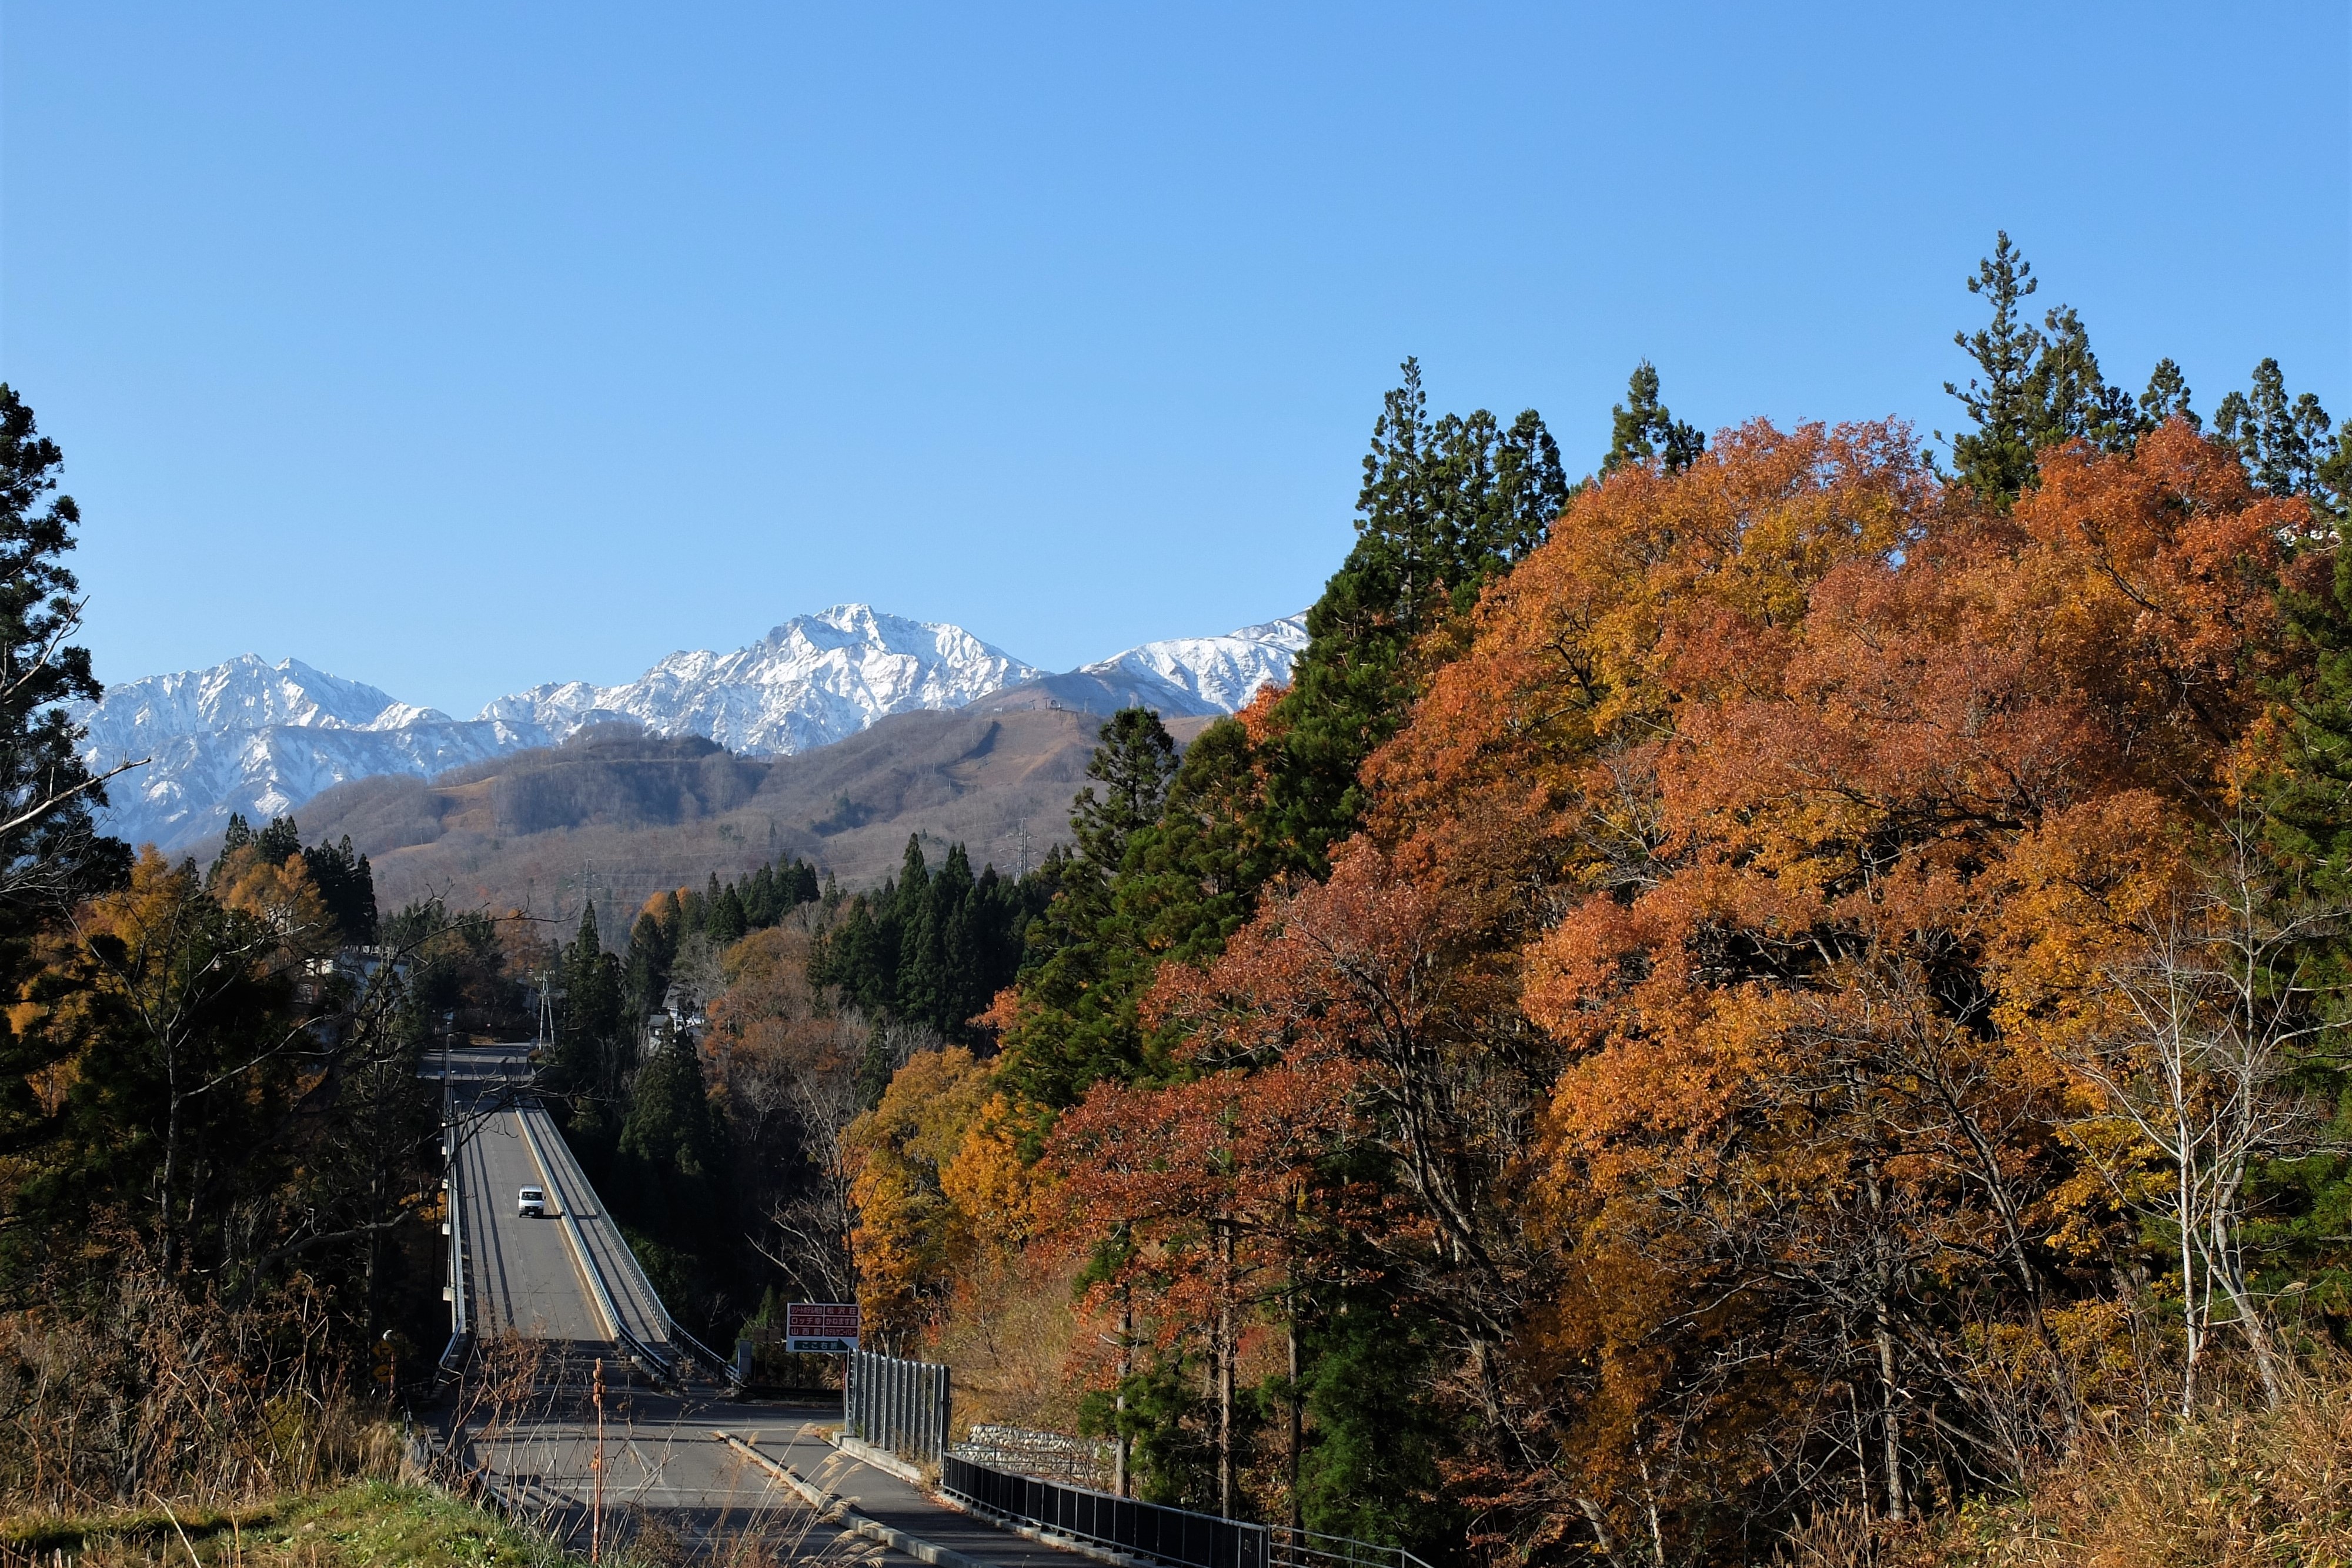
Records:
x=680, y=1018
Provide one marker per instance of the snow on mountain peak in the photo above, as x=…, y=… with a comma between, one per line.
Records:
x=1213, y=675
x=245, y=693
x=261, y=738
x=812, y=681
x=252, y=737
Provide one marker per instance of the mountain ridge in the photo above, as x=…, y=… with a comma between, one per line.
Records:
x=250, y=737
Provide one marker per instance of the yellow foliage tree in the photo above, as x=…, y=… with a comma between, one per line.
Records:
x=910, y=1233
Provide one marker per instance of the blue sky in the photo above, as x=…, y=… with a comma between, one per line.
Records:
x=456, y=347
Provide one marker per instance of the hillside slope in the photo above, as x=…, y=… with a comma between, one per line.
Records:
x=262, y=739
x=616, y=814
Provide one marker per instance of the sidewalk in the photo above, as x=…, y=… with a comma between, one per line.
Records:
x=887, y=1499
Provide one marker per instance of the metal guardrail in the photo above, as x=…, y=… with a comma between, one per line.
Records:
x=901, y=1406
x=691, y=1347
x=453, y=1204
x=886, y=1405
x=1288, y=1548
x=695, y=1350
x=614, y=1323
x=1175, y=1536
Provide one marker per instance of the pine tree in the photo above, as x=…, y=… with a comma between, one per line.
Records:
x=2040, y=386
x=346, y=885
x=1997, y=457
x=280, y=842
x=727, y=921
x=1187, y=884
x=1079, y=1023
x=2068, y=398
x=1443, y=508
x=1136, y=758
x=1373, y=1468
x=856, y=957
x=2283, y=442
x=762, y=906
x=51, y=853
x=2167, y=397
x=913, y=882
x=593, y=1050
x=671, y=1186
x=1641, y=428
x=2331, y=490
x=652, y=948
x=941, y=977
x=671, y=1146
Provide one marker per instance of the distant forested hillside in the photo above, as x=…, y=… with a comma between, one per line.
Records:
x=618, y=815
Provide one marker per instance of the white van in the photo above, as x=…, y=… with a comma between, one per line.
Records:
x=531, y=1205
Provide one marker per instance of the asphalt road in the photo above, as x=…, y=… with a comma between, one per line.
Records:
x=527, y=1274
x=663, y=1464
x=524, y=1415
x=521, y=1276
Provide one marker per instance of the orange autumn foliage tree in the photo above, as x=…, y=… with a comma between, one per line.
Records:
x=283, y=897
x=1199, y=1198
x=1701, y=1094
x=1708, y=967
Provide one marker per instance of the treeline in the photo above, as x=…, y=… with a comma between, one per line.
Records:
x=607, y=998
x=1681, y=1018
x=932, y=947
x=709, y=1066
x=343, y=878
x=219, y=1163
x=640, y=1116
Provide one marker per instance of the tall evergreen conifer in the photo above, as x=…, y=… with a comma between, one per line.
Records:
x=2284, y=443
x=1079, y=1024
x=1997, y=457
x=2036, y=386
x=1444, y=507
x=1641, y=428
x=51, y=852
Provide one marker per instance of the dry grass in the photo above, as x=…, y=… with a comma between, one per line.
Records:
x=1008, y=1335
x=151, y=1395
x=2236, y=1489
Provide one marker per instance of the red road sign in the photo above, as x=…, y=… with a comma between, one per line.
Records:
x=823, y=1326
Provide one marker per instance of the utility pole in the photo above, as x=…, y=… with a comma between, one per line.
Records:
x=546, y=1041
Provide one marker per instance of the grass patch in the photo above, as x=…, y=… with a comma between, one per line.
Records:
x=363, y=1525
x=2234, y=1489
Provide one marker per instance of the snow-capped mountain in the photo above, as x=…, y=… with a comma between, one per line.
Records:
x=261, y=738
x=252, y=737
x=1210, y=675
x=814, y=680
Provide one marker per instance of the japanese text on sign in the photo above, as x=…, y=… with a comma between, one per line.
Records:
x=821, y=1326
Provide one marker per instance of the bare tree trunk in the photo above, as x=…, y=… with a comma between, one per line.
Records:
x=171, y=1167
x=1601, y=1535
x=1290, y=1335
x=1224, y=1367
x=1892, y=1422
x=2224, y=1269
x=1119, y=1481
x=2191, y=1322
